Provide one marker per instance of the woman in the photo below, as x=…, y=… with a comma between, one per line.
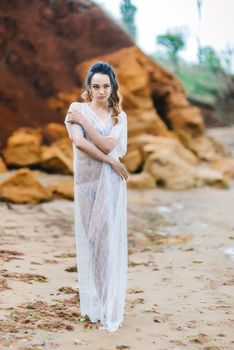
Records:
x=98, y=129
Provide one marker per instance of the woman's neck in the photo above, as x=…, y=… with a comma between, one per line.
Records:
x=99, y=104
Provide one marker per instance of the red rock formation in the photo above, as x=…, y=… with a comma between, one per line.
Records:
x=44, y=43
x=41, y=43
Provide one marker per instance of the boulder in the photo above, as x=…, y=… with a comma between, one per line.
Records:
x=23, y=187
x=187, y=118
x=176, y=168
x=133, y=159
x=62, y=189
x=3, y=167
x=169, y=170
x=204, y=147
x=62, y=99
x=58, y=158
x=209, y=177
x=224, y=165
x=23, y=147
x=141, y=181
x=54, y=132
x=149, y=144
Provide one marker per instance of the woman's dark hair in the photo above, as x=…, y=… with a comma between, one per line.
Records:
x=114, y=99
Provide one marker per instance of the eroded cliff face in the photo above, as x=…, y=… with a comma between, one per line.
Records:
x=46, y=50
x=41, y=44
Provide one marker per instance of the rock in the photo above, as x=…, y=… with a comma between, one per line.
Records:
x=3, y=168
x=133, y=159
x=141, y=140
x=58, y=157
x=23, y=147
x=204, y=147
x=225, y=166
x=219, y=147
x=23, y=187
x=65, y=145
x=159, y=143
x=141, y=181
x=169, y=170
x=187, y=118
x=210, y=177
x=54, y=132
x=60, y=101
x=147, y=144
x=62, y=189
x=174, y=167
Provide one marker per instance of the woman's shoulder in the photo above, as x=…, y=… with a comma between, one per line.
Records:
x=77, y=105
x=122, y=115
x=74, y=104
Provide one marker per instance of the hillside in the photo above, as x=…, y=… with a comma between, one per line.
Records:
x=212, y=92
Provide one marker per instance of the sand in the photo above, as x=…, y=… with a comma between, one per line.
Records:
x=180, y=277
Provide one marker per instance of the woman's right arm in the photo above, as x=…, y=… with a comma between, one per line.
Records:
x=76, y=133
x=94, y=152
x=90, y=149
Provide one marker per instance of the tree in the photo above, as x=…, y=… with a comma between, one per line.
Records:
x=128, y=11
x=174, y=41
x=199, y=7
x=227, y=55
x=210, y=58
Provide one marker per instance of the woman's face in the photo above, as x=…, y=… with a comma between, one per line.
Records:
x=100, y=87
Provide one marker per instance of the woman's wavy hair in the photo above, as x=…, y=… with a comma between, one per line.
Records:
x=114, y=99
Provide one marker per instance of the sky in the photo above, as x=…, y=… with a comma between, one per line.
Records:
x=154, y=17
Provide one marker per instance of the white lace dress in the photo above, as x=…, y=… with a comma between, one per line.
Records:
x=100, y=209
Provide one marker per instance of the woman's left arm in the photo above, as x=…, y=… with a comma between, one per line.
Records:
x=105, y=144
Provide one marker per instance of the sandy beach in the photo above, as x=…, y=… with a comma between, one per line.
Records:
x=180, y=277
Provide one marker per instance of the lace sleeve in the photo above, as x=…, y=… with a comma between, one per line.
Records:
x=74, y=130
x=119, y=132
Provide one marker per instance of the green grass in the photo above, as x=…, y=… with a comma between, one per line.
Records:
x=201, y=84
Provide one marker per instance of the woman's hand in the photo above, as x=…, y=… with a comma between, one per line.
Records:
x=76, y=117
x=119, y=168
